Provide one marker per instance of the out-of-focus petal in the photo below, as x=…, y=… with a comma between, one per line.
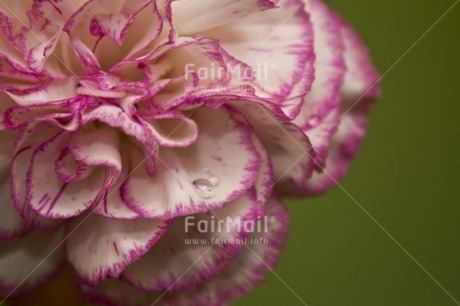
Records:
x=11, y=224
x=29, y=261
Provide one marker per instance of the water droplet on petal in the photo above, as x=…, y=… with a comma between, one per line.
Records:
x=204, y=188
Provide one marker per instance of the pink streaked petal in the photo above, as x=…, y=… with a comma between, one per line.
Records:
x=113, y=26
x=290, y=150
x=30, y=261
x=46, y=92
x=172, y=129
x=167, y=265
x=360, y=87
x=193, y=17
x=329, y=65
x=115, y=117
x=238, y=278
x=88, y=59
x=101, y=247
x=149, y=25
x=56, y=12
x=28, y=140
x=51, y=197
x=98, y=146
x=203, y=176
x=111, y=205
x=38, y=43
x=284, y=72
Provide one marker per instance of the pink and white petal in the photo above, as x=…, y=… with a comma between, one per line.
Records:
x=110, y=204
x=290, y=150
x=173, y=129
x=11, y=224
x=42, y=94
x=56, y=12
x=361, y=83
x=101, y=247
x=132, y=30
x=329, y=65
x=29, y=261
x=198, y=178
x=319, y=116
x=38, y=44
x=360, y=87
x=345, y=145
x=185, y=256
x=284, y=73
x=47, y=194
x=149, y=26
x=193, y=17
x=263, y=185
x=97, y=146
x=115, y=117
x=238, y=278
x=28, y=140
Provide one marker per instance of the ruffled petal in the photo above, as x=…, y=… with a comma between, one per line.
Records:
x=101, y=247
x=290, y=150
x=278, y=44
x=194, y=17
x=51, y=197
x=318, y=117
x=188, y=244
x=201, y=177
x=28, y=140
x=239, y=277
x=29, y=261
x=360, y=87
x=172, y=129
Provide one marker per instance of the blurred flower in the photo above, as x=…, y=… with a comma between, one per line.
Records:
x=121, y=118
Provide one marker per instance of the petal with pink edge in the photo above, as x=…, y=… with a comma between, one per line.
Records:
x=290, y=149
x=189, y=254
x=238, y=278
x=220, y=167
x=51, y=197
x=285, y=72
x=360, y=87
x=318, y=117
x=101, y=247
x=28, y=140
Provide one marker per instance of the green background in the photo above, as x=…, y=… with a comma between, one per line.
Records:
x=406, y=176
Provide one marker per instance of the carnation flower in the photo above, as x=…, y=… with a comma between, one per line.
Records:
x=112, y=136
